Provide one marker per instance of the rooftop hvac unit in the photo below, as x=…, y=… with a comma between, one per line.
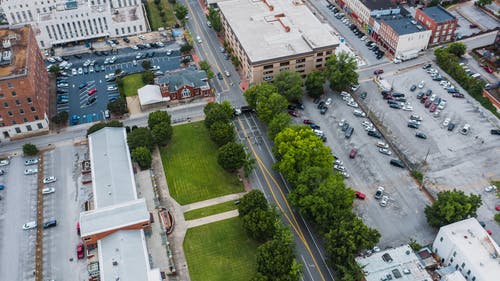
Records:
x=6, y=55
x=6, y=43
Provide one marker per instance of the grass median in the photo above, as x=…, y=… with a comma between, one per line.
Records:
x=211, y=210
x=131, y=83
x=154, y=14
x=220, y=251
x=191, y=168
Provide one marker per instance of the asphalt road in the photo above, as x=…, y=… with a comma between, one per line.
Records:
x=309, y=248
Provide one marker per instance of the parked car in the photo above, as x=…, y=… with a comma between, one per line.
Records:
x=381, y=144
x=50, y=223
x=458, y=95
x=30, y=171
x=379, y=193
x=328, y=101
x=384, y=201
x=79, y=251
x=421, y=84
x=378, y=71
x=375, y=134
x=495, y=132
x=384, y=151
x=349, y=132
x=397, y=163
x=293, y=113
x=308, y=121
x=48, y=190
x=353, y=153
x=50, y=179
x=413, y=88
x=32, y=161
x=4, y=162
x=451, y=126
x=29, y=225
x=360, y=195
x=92, y=91
x=421, y=135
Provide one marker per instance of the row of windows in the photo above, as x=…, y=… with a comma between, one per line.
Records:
x=21, y=111
x=25, y=120
x=269, y=66
x=18, y=103
x=129, y=29
x=73, y=30
x=28, y=127
x=267, y=77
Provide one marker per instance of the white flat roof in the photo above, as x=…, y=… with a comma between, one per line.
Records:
x=124, y=255
x=401, y=260
x=263, y=37
x=112, y=175
x=113, y=217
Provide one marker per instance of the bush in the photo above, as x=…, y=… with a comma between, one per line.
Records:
x=231, y=156
x=497, y=218
x=140, y=137
x=418, y=175
x=142, y=156
x=186, y=48
x=118, y=106
x=61, y=118
x=148, y=77
x=30, y=149
x=157, y=2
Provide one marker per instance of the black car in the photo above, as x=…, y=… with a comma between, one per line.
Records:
x=402, y=99
x=426, y=66
x=420, y=95
x=323, y=110
x=314, y=126
x=105, y=53
x=299, y=104
x=50, y=223
x=290, y=106
x=451, y=126
x=91, y=100
x=374, y=134
x=348, y=132
x=453, y=91
x=495, y=132
x=369, y=43
x=397, y=163
x=126, y=40
x=396, y=94
x=316, y=100
x=413, y=125
x=345, y=127
x=363, y=95
x=219, y=75
x=321, y=104
x=421, y=135
x=437, y=101
x=413, y=88
x=78, y=56
x=395, y=105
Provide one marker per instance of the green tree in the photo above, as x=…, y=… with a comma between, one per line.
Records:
x=252, y=94
x=452, y=206
x=157, y=117
x=118, y=106
x=341, y=71
x=215, y=112
x=162, y=133
x=140, y=137
x=180, y=11
x=314, y=83
x=54, y=70
x=289, y=85
x=457, y=48
x=214, y=18
x=269, y=106
x=100, y=125
x=204, y=65
x=278, y=123
x=148, y=77
x=248, y=166
x=231, y=156
x=253, y=200
x=186, y=48
x=259, y=277
x=60, y=118
x=296, y=148
x=30, y=149
x=146, y=64
x=261, y=224
x=236, y=62
x=433, y=3
x=142, y=156
x=482, y=3
x=276, y=261
x=118, y=71
x=221, y=133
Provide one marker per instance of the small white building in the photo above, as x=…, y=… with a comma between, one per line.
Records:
x=399, y=263
x=150, y=96
x=467, y=247
x=64, y=21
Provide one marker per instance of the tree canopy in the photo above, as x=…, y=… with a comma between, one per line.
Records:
x=341, y=71
x=30, y=149
x=252, y=94
x=276, y=260
x=314, y=83
x=269, y=106
x=261, y=224
x=215, y=112
x=279, y=122
x=251, y=201
x=452, y=206
x=180, y=11
x=157, y=117
x=140, y=137
x=204, y=65
x=214, y=18
x=142, y=156
x=162, y=133
x=457, y=48
x=231, y=156
x=289, y=84
x=221, y=133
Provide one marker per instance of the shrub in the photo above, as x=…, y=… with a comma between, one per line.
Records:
x=30, y=149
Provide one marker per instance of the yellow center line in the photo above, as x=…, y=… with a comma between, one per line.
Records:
x=293, y=224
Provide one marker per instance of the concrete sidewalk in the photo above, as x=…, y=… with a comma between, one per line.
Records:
x=211, y=202
x=211, y=219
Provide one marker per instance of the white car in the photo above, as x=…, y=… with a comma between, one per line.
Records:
x=346, y=175
x=159, y=43
x=347, y=98
x=74, y=71
x=384, y=151
x=31, y=162
x=107, y=60
x=49, y=179
x=134, y=48
x=80, y=70
x=138, y=56
x=384, y=201
x=490, y=188
x=353, y=104
x=354, y=88
x=446, y=122
x=342, y=122
x=86, y=63
x=421, y=84
x=339, y=168
x=432, y=97
x=338, y=162
x=51, y=60
x=198, y=39
x=328, y=101
x=29, y=225
x=48, y=190
x=345, y=94
x=31, y=171
x=142, y=37
x=169, y=52
x=4, y=162
x=358, y=113
x=227, y=73
x=112, y=88
x=416, y=117
x=91, y=69
x=382, y=145
x=408, y=107
x=442, y=105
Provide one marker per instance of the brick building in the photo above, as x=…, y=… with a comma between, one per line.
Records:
x=439, y=21
x=184, y=83
x=24, y=84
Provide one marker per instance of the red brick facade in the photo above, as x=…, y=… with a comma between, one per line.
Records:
x=441, y=31
x=92, y=239
x=184, y=92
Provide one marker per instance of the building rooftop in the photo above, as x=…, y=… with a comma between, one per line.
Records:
x=113, y=217
x=399, y=263
x=438, y=14
x=402, y=25
x=380, y=4
x=449, y=273
x=271, y=29
x=472, y=240
x=13, y=47
x=112, y=177
x=187, y=76
x=123, y=256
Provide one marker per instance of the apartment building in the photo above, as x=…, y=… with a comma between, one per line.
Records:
x=362, y=11
x=270, y=36
x=439, y=21
x=24, y=84
x=57, y=22
x=467, y=247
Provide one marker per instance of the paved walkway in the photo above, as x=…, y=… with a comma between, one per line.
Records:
x=211, y=202
x=211, y=219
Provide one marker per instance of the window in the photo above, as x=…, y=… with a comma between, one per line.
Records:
x=18, y=103
x=268, y=72
x=268, y=66
x=9, y=113
x=463, y=264
x=29, y=100
x=285, y=63
x=40, y=126
x=10, y=85
x=300, y=60
x=319, y=54
x=28, y=127
x=1, y=96
x=455, y=253
x=267, y=78
x=5, y=104
x=25, y=119
x=319, y=65
x=18, y=130
x=328, y=53
x=319, y=60
x=473, y=278
x=36, y=117
x=21, y=111
x=456, y=267
x=300, y=66
x=451, y=260
x=186, y=93
x=468, y=272
x=14, y=93
x=33, y=109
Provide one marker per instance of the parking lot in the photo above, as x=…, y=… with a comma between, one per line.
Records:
x=403, y=217
x=82, y=82
x=62, y=203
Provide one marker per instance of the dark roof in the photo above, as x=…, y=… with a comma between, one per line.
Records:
x=438, y=14
x=401, y=25
x=188, y=76
x=380, y=4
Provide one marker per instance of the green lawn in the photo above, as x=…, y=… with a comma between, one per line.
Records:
x=190, y=163
x=211, y=210
x=220, y=251
x=131, y=83
x=154, y=17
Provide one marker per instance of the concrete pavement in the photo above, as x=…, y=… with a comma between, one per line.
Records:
x=211, y=219
x=213, y=201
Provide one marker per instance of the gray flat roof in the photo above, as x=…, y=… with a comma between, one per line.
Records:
x=112, y=175
x=263, y=34
x=438, y=14
x=124, y=255
x=113, y=217
x=402, y=25
x=380, y=4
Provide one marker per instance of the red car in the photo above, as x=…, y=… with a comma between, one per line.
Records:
x=353, y=153
x=473, y=26
x=78, y=228
x=293, y=113
x=497, y=207
x=458, y=95
x=488, y=231
x=360, y=195
x=378, y=71
x=308, y=122
x=488, y=69
x=428, y=103
x=92, y=91
x=79, y=251
x=433, y=107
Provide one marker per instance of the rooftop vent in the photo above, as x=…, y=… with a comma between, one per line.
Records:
x=115, y=263
x=6, y=43
x=386, y=257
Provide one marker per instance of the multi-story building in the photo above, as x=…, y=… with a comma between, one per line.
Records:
x=400, y=35
x=24, y=84
x=270, y=36
x=468, y=248
x=439, y=21
x=58, y=22
x=184, y=83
